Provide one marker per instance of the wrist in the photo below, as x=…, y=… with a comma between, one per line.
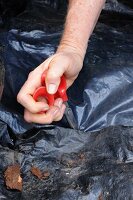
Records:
x=71, y=47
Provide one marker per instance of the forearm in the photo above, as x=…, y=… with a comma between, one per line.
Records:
x=80, y=21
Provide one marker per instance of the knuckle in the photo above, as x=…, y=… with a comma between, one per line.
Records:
x=50, y=119
x=58, y=118
x=20, y=97
x=33, y=109
x=30, y=76
x=27, y=117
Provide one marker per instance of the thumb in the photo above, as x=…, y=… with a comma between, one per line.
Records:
x=56, y=69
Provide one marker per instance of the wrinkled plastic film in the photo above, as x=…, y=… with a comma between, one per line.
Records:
x=95, y=162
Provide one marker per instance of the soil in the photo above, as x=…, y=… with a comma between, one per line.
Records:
x=37, y=172
x=100, y=197
x=12, y=177
x=46, y=175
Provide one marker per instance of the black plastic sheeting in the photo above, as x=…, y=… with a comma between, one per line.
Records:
x=95, y=162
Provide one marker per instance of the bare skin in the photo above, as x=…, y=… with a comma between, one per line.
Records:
x=68, y=60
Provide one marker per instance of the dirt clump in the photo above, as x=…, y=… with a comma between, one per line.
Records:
x=13, y=178
x=46, y=174
x=38, y=173
x=100, y=197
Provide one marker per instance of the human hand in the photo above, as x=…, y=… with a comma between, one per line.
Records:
x=64, y=62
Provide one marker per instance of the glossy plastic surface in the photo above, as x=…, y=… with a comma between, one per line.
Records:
x=91, y=164
x=42, y=91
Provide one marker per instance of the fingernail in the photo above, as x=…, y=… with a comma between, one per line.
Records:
x=46, y=108
x=60, y=103
x=55, y=112
x=51, y=88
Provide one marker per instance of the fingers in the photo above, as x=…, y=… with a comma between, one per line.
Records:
x=45, y=118
x=24, y=96
x=59, y=115
x=55, y=113
x=57, y=67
